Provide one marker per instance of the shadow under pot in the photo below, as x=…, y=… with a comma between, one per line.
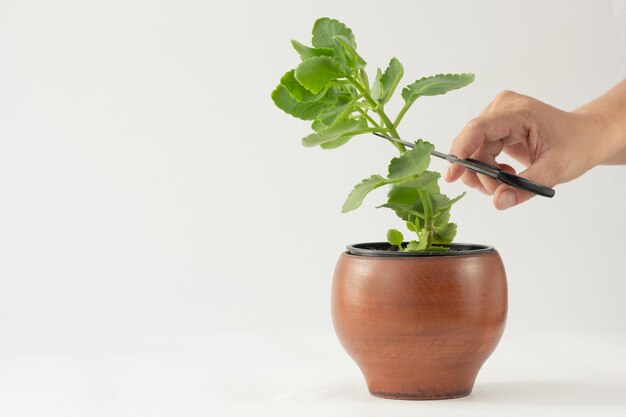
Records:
x=419, y=325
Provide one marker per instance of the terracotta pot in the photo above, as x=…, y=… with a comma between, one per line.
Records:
x=419, y=326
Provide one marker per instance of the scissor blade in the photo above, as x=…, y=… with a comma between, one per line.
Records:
x=441, y=155
x=445, y=156
x=390, y=139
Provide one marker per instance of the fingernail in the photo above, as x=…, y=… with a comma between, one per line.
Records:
x=507, y=199
x=448, y=174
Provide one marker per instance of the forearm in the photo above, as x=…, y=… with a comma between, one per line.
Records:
x=609, y=112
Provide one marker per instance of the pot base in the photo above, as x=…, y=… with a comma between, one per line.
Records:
x=425, y=395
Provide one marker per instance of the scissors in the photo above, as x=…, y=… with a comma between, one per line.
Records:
x=486, y=169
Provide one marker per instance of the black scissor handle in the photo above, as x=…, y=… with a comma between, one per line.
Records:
x=508, y=178
x=524, y=184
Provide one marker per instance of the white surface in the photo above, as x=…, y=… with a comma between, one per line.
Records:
x=304, y=374
x=157, y=213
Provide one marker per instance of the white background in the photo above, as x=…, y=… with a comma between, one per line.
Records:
x=167, y=245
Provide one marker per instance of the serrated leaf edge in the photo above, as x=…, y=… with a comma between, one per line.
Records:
x=407, y=87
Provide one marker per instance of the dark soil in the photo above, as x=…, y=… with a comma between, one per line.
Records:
x=386, y=249
x=394, y=248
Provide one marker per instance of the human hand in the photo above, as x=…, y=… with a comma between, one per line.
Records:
x=555, y=145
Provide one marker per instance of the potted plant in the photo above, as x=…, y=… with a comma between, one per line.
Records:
x=418, y=317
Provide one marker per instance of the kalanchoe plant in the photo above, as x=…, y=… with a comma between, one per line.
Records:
x=331, y=88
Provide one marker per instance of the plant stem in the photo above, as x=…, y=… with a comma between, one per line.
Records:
x=404, y=109
x=392, y=129
x=364, y=81
x=428, y=216
x=369, y=130
x=363, y=91
x=367, y=116
x=389, y=125
x=379, y=111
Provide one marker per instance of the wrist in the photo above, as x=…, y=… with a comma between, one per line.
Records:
x=602, y=136
x=609, y=111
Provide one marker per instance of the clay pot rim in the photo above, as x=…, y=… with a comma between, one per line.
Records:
x=462, y=249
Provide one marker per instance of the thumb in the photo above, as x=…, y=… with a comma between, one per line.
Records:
x=542, y=171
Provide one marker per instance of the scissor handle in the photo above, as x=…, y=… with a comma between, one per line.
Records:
x=524, y=184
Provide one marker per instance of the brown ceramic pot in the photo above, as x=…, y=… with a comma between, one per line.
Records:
x=419, y=326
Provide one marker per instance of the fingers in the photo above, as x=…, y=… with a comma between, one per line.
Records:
x=488, y=183
x=485, y=137
x=505, y=197
x=471, y=180
x=492, y=127
x=485, y=153
x=453, y=172
x=507, y=168
x=544, y=171
x=482, y=183
x=504, y=122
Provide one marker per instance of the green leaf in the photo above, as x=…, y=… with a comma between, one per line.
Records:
x=362, y=189
x=297, y=90
x=445, y=234
x=435, y=85
x=325, y=30
x=333, y=144
x=343, y=107
x=442, y=218
x=390, y=80
x=342, y=129
x=402, y=196
x=377, y=86
x=325, y=34
x=304, y=111
x=423, y=180
x=457, y=198
x=317, y=125
x=306, y=52
x=410, y=226
x=352, y=57
x=436, y=249
x=415, y=246
x=405, y=208
x=412, y=162
x=395, y=238
x=441, y=202
x=315, y=73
